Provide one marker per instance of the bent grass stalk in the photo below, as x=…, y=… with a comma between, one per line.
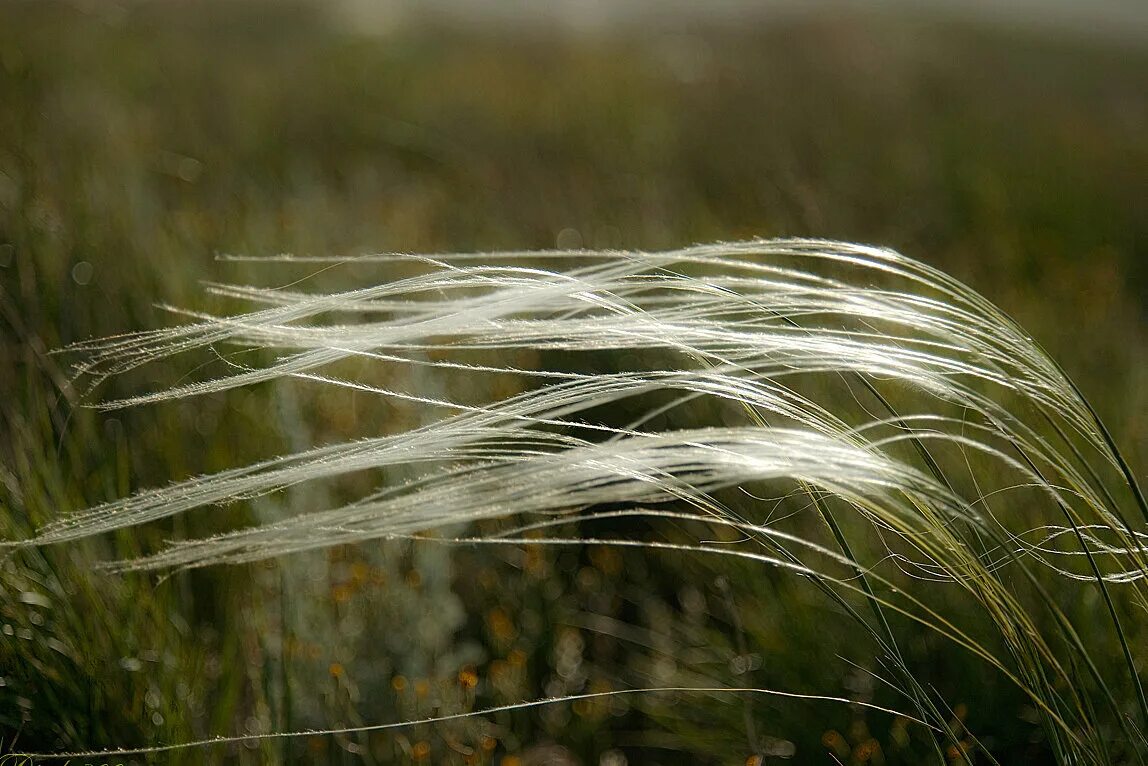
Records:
x=773, y=330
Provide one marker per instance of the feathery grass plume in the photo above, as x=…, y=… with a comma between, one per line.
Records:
x=956, y=480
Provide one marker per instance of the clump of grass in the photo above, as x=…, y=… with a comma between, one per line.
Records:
x=940, y=470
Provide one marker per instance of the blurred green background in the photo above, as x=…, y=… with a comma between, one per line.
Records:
x=137, y=141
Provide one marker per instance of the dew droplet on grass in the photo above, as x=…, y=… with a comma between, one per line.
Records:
x=82, y=273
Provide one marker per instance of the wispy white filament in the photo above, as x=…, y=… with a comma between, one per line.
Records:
x=854, y=374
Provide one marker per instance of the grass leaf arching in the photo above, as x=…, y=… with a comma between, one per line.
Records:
x=769, y=334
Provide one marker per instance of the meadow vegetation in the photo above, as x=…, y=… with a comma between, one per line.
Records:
x=140, y=143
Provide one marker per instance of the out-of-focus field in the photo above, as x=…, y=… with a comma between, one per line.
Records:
x=137, y=142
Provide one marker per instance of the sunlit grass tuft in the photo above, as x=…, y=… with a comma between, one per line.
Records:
x=941, y=470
